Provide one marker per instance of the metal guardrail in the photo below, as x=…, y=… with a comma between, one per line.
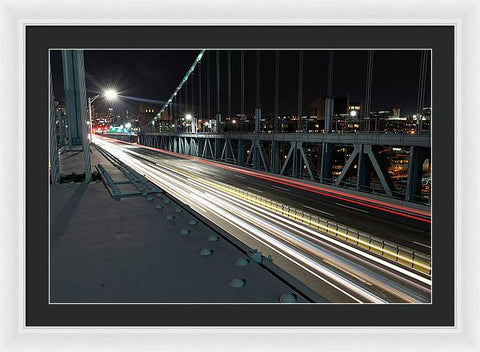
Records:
x=402, y=255
x=108, y=181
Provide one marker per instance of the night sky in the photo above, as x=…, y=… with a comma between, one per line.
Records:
x=154, y=74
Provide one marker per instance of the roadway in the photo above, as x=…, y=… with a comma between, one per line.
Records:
x=402, y=227
x=338, y=273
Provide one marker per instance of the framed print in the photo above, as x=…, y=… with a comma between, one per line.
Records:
x=184, y=182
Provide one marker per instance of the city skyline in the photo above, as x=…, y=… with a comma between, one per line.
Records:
x=141, y=75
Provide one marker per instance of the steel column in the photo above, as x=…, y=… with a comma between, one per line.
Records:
x=378, y=170
x=275, y=157
x=415, y=164
x=326, y=163
x=349, y=163
x=76, y=98
x=229, y=83
x=241, y=152
x=54, y=163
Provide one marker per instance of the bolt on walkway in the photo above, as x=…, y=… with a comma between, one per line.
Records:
x=147, y=248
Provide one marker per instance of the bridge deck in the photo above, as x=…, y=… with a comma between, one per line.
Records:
x=104, y=250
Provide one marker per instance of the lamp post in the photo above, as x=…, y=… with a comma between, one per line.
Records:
x=109, y=94
x=189, y=117
x=90, y=102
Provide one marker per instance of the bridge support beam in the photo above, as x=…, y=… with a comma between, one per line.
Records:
x=328, y=115
x=415, y=164
x=194, y=147
x=218, y=143
x=241, y=153
x=54, y=162
x=228, y=154
x=257, y=154
x=208, y=150
x=181, y=145
x=186, y=146
x=258, y=117
x=76, y=98
x=275, y=157
x=299, y=158
x=378, y=170
x=363, y=171
x=201, y=146
x=326, y=162
x=364, y=153
x=175, y=144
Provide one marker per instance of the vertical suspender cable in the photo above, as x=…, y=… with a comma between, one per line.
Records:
x=368, y=89
x=300, y=90
x=209, y=116
x=218, y=120
x=277, y=90
x=257, y=100
x=200, y=90
x=229, y=77
x=192, y=108
x=331, y=58
x=187, y=101
x=242, y=82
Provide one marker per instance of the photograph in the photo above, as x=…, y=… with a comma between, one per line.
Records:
x=240, y=175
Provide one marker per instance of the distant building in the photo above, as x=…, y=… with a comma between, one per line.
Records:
x=146, y=114
x=396, y=112
x=110, y=116
x=345, y=112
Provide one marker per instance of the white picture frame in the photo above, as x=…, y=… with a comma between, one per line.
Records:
x=15, y=15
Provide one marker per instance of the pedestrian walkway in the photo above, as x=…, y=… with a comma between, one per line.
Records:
x=146, y=249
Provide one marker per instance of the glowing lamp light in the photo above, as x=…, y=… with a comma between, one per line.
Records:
x=353, y=113
x=188, y=117
x=111, y=94
x=128, y=125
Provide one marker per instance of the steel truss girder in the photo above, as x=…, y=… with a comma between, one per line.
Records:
x=256, y=150
x=360, y=151
x=227, y=148
x=205, y=150
x=383, y=139
x=297, y=150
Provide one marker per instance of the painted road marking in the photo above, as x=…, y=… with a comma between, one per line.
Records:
x=283, y=189
x=421, y=244
x=254, y=189
x=353, y=208
x=320, y=211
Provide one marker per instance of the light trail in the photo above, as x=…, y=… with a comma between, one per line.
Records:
x=362, y=280
x=400, y=210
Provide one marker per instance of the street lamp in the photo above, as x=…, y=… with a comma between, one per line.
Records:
x=109, y=94
x=189, y=117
